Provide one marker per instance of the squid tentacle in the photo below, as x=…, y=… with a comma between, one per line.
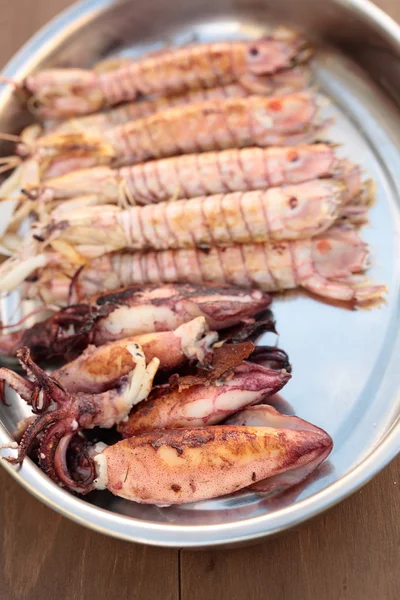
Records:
x=34, y=430
x=46, y=388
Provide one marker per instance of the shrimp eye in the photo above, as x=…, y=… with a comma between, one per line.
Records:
x=253, y=51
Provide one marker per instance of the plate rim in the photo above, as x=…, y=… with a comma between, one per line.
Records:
x=187, y=536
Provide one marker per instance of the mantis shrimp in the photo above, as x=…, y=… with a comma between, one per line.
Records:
x=281, y=83
x=199, y=127
x=191, y=175
x=323, y=265
x=213, y=125
x=60, y=93
x=285, y=213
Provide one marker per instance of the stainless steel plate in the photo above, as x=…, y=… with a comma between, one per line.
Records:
x=346, y=363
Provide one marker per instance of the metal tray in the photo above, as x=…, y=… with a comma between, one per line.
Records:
x=346, y=375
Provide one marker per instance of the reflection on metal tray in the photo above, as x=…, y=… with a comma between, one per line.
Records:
x=346, y=376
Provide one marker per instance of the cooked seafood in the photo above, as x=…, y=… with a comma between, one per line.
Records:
x=263, y=415
x=136, y=311
x=280, y=83
x=286, y=213
x=204, y=404
x=201, y=127
x=60, y=93
x=202, y=178
x=324, y=265
x=80, y=410
x=191, y=175
x=100, y=368
x=189, y=465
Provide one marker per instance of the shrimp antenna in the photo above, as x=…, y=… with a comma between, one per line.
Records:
x=13, y=159
x=10, y=137
x=7, y=198
x=73, y=286
x=34, y=312
x=9, y=81
x=9, y=162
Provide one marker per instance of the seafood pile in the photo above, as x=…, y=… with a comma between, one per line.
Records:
x=191, y=406
x=166, y=198
x=197, y=164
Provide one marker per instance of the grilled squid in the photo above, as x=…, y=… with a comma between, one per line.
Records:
x=200, y=405
x=80, y=410
x=189, y=465
x=263, y=415
x=134, y=311
x=98, y=369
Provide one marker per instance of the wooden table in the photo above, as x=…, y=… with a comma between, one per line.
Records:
x=350, y=553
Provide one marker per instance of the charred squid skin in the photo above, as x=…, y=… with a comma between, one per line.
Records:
x=19, y=384
x=189, y=465
x=222, y=306
x=53, y=337
x=98, y=369
x=151, y=308
x=38, y=393
x=32, y=432
x=201, y=405
x=52, y=437
x=263, y=415
x=48, y=388
x=10, y=342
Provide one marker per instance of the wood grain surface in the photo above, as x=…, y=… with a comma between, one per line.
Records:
x=350, y=553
